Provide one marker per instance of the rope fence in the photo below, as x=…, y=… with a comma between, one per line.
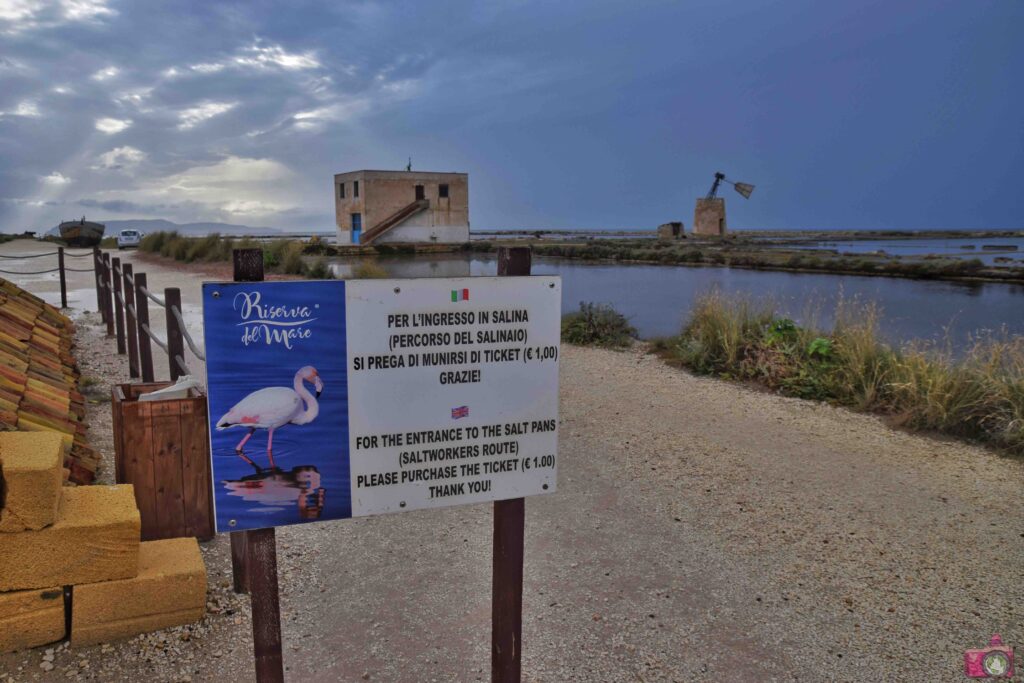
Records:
x=124, y=299
x=152, y=335
x=61, y=268
x=30, y=272
x=49, y=253
x=154, y=298
x=188, y=337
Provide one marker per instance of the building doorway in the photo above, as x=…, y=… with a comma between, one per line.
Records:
x=420, y=194
x=357, y=227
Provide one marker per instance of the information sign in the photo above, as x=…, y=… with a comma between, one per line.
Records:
x=334, y=399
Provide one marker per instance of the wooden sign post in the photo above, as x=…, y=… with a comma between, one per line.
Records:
x=509, y=523
x=254, y=553
x=446, y=349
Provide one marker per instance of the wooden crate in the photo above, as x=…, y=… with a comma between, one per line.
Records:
x=162, y=448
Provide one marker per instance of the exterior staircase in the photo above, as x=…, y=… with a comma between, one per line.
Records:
x=393, y=220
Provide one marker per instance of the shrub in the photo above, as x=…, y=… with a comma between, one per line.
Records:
x=317, y=245
x=597, y=325
x=979, y=395
x=291, y=260
x=320, y=270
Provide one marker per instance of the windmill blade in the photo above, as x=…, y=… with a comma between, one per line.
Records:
x=744, y=189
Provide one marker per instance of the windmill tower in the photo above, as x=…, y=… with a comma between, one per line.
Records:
x=709, y=214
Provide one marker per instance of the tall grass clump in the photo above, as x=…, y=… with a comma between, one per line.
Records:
x=153, y=242
x=209, y=248
x=597, y=325
x=977, y=395
x=175, y=246
x=716, y=337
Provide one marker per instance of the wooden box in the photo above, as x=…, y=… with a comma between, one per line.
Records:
x=162, y=448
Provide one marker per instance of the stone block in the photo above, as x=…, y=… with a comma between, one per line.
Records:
x=95, y=538
x=170, y=590
x=31, y=478
x=31, y=618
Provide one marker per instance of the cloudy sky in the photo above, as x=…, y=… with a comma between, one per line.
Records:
x=588, y=114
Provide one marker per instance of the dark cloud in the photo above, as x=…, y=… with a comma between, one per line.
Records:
x=118, y=206
x=598, y=114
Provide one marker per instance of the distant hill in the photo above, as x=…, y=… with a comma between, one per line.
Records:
x=158, y=224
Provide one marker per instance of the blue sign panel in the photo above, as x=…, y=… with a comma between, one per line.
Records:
x=278, y=401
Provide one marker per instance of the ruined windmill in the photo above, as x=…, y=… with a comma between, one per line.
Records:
x=709, y=214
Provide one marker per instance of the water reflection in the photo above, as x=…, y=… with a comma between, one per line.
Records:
x=438, y=265
x=988, y=250
x=658, y=298
x=278, y=490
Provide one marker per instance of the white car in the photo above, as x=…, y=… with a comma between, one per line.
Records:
x=126, y=239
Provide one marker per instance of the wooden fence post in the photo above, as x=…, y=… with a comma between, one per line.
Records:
x=131, y=323
x=509, y=521
x=142, y=311
x=175, y=342
x=258, y=571
x=118, y=304
x=63, y=278
x=108, y=295
x=96, y=270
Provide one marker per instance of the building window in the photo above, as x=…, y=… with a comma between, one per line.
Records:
x=341, y=191
x=355, y=188
x=442, y=191
x=420, y=194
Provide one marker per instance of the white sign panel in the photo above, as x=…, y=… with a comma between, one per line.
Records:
x=453, y=387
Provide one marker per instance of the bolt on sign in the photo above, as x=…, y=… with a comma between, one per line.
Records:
x=334, y=399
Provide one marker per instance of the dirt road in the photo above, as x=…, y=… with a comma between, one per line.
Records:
x=702, y=531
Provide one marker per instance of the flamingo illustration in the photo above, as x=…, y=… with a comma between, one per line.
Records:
x=273, y=407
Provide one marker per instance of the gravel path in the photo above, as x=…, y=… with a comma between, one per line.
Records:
x=703, y=531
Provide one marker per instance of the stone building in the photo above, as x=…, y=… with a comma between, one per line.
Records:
x=671, y=231
x=709, y=217
x=376, y=207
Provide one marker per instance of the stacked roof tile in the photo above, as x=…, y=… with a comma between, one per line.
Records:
x=39, y=377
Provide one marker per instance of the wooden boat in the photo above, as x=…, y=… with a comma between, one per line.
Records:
x=81, y=233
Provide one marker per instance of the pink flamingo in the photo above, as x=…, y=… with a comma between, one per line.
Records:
x=273, y=407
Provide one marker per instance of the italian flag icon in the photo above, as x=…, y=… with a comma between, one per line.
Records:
x=460, y=295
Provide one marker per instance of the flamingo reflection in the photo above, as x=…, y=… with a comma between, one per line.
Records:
x=275, y=488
